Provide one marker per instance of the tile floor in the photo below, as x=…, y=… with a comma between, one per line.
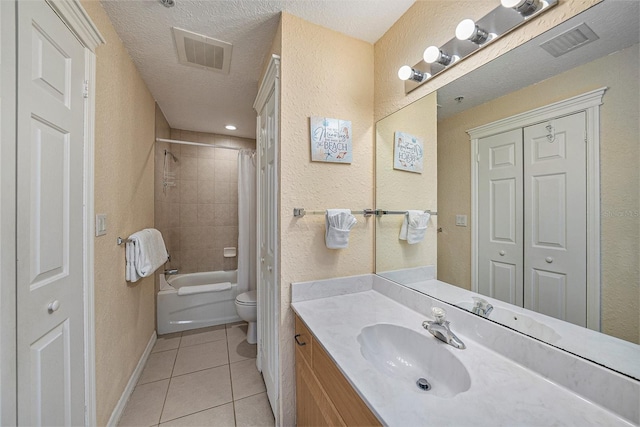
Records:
x=204, y=377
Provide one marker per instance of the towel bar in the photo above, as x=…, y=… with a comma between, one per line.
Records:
x=300, y=212
x=380, y=212
x=121, y=241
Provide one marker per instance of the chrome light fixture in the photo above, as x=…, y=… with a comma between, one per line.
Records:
x=523, y=7
x=468, y=30
x=434, y=55
x=407, y=73
x=168, y=3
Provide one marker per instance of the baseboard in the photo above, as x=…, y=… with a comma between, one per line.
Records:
x=122, y=403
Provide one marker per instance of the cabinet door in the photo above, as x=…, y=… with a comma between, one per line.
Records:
x=313, y=406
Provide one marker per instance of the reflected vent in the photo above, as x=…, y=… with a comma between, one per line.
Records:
x=570, y=40
x=202, y=51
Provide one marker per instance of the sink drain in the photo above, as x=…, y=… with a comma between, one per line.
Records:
x=423, y=384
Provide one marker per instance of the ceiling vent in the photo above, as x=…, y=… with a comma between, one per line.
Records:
x=570, y=40
x=201, y=51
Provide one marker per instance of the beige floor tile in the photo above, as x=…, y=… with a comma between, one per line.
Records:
x=221, y=416
x=201, y=356
x=246, y=380
x=198, y=391
x=158, y=367
x=167, y=342
x=203, y=335
x=145, y=404
x=239, y=348
x=254, y=411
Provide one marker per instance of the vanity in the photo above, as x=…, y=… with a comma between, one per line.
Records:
x=362, y=353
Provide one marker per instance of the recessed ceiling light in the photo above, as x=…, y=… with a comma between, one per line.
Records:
x=230, y=127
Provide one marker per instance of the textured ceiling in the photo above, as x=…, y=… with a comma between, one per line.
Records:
x=205, y=101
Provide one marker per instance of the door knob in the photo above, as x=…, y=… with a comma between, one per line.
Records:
x=549, y=259
x=502, y=253
x=270, y=269
x=53, y=306
x=262, y=260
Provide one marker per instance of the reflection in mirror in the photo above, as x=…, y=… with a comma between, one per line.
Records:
x=523, y=80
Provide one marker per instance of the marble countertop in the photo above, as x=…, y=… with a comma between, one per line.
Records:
x=501, y=393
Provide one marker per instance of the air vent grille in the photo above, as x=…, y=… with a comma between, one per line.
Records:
x=201, y=51
x=570, y=40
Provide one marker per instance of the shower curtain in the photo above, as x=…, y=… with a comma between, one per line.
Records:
x=246, y=221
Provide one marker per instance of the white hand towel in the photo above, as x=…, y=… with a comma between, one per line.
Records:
x=131, y=275
x=149, y=252
x=338, y=224
x=200, y=289
x=414, y=226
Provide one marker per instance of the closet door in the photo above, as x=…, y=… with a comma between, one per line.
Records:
x=500, y=211
x=555, y=218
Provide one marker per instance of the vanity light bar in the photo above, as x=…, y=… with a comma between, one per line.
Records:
x=470, y=37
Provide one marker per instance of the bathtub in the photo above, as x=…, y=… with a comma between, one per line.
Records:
x=183, y=312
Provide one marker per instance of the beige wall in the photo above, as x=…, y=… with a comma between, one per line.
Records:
x=198, y=217
x=324, y=73
x=124, y=312
x=620, y=199
x=400, y=190
x=433, y=22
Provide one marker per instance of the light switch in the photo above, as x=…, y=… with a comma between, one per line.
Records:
x=101, y=224
x=461, y=220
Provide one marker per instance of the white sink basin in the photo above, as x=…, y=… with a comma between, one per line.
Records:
x=408, y=355
x=519, y=322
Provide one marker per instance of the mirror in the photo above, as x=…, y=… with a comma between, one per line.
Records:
x=523, y=80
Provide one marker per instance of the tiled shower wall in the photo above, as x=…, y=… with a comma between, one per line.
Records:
x=198, y=216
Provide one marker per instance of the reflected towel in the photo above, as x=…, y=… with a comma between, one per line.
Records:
x=414, y=226
x=145, y=252
x=200, y=289
x=338, y=224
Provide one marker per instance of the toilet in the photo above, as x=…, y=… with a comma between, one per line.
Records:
x=246, y=308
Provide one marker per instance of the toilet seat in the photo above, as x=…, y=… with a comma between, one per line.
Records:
x=247, y=298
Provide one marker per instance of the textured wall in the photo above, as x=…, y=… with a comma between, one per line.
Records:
x=433, y=22
x=324, y=73
x=620, y=155
x=198, y=217
x=401, y=190
x=124, y=312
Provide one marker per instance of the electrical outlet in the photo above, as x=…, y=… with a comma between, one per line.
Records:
x=101, y=224
x=461, y=220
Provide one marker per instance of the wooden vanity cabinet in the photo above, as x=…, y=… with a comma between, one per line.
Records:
x=324, y=397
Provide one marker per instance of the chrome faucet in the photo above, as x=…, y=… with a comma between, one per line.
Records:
x=439, y=328
x=170, y=271
x=481, y=307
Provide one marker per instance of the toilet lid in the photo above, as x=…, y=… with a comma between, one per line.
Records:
x=247, y=298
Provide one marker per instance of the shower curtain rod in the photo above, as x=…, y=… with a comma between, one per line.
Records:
x=201, y=144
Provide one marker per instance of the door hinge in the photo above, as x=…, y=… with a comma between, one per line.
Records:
x=85, y=89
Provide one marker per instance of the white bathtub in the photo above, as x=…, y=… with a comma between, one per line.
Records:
x=183, y=312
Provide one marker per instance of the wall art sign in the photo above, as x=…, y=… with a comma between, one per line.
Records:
x=331, y=140
x=408, y=152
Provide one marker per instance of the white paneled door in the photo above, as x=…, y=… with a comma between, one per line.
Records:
x=268, y=283
x=500, y=209
x=50, y=310
x=532, y=222
x=555, y=237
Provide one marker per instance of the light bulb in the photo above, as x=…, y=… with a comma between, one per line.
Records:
x=431, y=54
x=230, y=127
x=405, y=72
x=523, y=7
x=468, y=30
x=465, y=29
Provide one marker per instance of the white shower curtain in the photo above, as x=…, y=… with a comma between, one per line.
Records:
x=246, y=221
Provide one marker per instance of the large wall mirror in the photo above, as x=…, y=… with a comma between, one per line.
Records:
x=510, y=164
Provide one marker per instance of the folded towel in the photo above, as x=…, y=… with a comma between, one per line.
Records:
x=200, y=289
x=145, y=253
x=414, y=226
x=338, y=223
x=131, y=275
